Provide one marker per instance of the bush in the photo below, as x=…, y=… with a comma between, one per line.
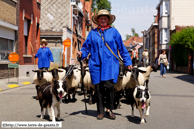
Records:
x=182, y=43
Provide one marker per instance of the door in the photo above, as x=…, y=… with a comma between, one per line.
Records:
x=57, y=52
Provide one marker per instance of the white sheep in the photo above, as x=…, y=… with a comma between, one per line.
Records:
x=88, y=85
x=131, y=81
x=62, y=74
x=146, y=72
x=72, y=82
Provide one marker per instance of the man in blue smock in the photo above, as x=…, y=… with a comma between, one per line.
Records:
x=103, y=65
x=44, y=56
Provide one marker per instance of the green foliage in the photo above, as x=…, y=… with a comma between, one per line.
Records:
x=127, y=36
x=182, y=42
x=134, y=34
x=101, y=4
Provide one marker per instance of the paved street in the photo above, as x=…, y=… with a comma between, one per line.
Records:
x=171, y=107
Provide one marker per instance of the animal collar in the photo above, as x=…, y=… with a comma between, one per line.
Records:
x=46, y=88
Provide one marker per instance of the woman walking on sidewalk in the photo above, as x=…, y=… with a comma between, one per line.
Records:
x=103, y=65
x=162, y=61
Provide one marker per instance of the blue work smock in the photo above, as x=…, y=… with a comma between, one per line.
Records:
x=102, y=63
x=44, y=56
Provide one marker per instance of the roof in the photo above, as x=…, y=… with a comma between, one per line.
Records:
x=134, y=41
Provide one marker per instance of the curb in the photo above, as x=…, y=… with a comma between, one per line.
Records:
x=11, y=86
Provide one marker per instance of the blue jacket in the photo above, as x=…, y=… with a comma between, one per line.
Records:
x=102, y=64
x=44, y=56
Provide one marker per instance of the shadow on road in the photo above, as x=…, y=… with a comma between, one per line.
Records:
x=92, y=113
x=47, y=118
x=135, y=119
x=187, y=78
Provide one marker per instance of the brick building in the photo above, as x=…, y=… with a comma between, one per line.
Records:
x=55, y=27
x=8, y=34
x=151, y=40
x=134, y=42
x=29, y=35
x=59, y=21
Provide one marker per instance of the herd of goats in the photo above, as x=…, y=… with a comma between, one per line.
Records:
x=129, y=84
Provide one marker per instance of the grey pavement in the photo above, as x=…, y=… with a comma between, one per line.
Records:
x=171, y=107
x=10, y=83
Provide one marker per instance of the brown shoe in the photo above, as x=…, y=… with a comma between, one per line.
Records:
x=111, y=115
x=100, y=116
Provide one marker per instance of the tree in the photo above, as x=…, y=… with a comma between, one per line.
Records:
x=134, y=34
x=101, y=4
x=127, y=36
x=182, y=43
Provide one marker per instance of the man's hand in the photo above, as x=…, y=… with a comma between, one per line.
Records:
x=79, y=54
x=51, y=63
x=130, y=67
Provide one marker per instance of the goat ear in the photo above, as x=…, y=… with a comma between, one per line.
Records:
x=34, y=70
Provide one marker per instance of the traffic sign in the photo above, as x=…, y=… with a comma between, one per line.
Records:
x=67, y=43
x=13, y=66
x=13, y=57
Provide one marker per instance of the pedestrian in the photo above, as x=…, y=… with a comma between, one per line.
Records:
x=103, y=65
x=145, y=58
x=163, y=61
x=44, y=56
x=134, y=56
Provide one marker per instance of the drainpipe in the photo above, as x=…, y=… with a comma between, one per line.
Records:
x=72, y=33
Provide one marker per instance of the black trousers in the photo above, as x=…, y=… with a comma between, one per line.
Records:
x=104, y=93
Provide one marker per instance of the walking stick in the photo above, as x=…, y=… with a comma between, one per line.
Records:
x=33, y=54
x=81, y=65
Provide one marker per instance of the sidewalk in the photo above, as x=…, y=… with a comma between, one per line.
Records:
x=22, y=81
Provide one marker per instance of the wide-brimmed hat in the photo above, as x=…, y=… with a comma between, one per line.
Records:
x=145, y=49
x=103, y=12
x=134, y=48
x=43, y=41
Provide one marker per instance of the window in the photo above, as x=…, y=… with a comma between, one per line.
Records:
x=161, y=36
x=165, y=35
x=6, y=47
x=166, y=8
x=161, y=10
x=26, y=33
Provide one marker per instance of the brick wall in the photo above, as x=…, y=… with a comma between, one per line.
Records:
x=4, y=72
x=31, y=11
x=8, y=11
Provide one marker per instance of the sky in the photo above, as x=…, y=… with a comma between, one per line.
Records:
x=136, y=14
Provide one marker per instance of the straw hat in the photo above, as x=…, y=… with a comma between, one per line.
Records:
x=145, y=49
x=43, y=41
x=103, y=12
